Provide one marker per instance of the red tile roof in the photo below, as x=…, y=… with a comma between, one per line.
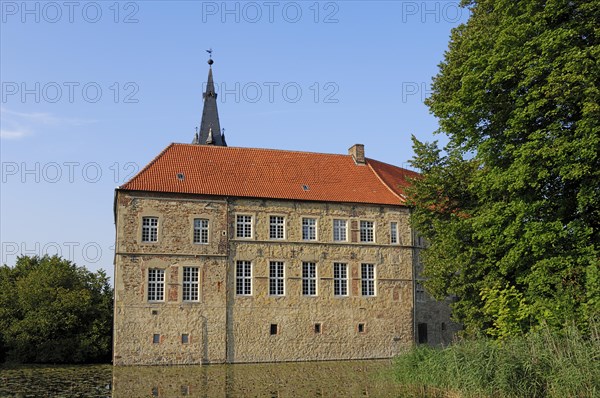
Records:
x=269, y=173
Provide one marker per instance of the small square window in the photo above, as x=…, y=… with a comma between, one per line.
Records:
x=317, y=328
x=156, y=338
x=155, y=391
x=274, y=329
x=185, y=338
x=154, y=312
x=185, y=390
x=361, y=328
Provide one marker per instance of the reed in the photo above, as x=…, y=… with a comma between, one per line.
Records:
x=543, y=363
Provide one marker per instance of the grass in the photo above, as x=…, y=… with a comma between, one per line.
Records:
x=540, y=364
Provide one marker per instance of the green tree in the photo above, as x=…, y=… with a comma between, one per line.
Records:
x=511, y=205
x=52, y=311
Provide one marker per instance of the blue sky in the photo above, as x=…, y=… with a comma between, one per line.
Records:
x=92, y=91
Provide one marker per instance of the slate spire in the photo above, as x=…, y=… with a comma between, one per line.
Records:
x=210, y=115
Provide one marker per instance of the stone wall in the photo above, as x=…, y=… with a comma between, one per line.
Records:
x=224, y=327
x=433, y=324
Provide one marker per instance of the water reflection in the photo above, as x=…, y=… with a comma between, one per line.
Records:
x=305, y=379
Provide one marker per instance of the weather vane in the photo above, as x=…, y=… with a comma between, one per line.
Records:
x=209, y=51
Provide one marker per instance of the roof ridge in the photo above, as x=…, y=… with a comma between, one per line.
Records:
x=393, y=165
x=382, y=181
x=139, y=173
x=267, y=150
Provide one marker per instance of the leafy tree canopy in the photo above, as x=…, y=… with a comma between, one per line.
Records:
x=511, y=205
x=52, y=311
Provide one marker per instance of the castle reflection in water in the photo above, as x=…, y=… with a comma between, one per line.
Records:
x=300, y=379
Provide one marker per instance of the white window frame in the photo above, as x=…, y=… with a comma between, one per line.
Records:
x=309, y=228
x=191, y=284
x=149, y=229
x=276, y=278
x=340, y=279
x=244, y=226
x=156, y=285
x=276, y=227
x=367, y=231
x=340, y=227
x=394, y=232
x=243, y=278
x=367, y=280
x=309, y=278
x=201, y=231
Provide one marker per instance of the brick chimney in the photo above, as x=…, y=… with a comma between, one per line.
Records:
x=358, y=153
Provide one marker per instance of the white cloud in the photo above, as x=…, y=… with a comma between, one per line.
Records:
x=16, y=125
x=12, y=134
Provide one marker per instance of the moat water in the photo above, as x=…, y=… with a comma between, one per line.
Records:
x=306, y=379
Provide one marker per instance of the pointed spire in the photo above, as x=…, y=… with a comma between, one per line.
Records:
x=196, y=140
x=223, y=137
x=210, y=114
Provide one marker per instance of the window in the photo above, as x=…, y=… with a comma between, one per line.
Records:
x=185, y=338
x=243, y=226
x=190, y=284
x=366, y=231
x=419, y=292
x=309, y=229
x=276, y=227
x=149, y=229
x=361, y=328
x=339, y=230
x=367, y=276
x=309, y=279
x=422, y=333
x=274, y=329
x=156, y=284
x=393, y=232
x=201, y=231
x=340, y=279
x=276, y=280
x=156, y=338
x=243, y=278
x=317, y=328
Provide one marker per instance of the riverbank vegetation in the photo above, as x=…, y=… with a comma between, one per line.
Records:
x=543, y=363
x=510, y=206
x=52, y=311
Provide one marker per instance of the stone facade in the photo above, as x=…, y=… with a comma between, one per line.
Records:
x=433, y=324
x=223, y=326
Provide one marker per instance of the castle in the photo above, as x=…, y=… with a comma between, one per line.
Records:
x=228, y=255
